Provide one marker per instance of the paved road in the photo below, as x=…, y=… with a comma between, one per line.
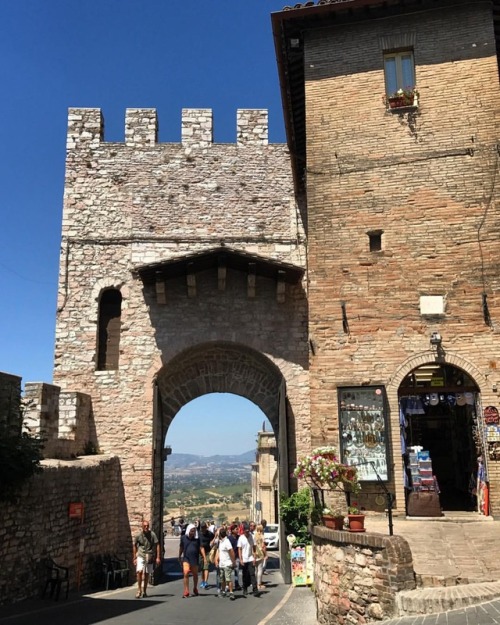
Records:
x=278, y=604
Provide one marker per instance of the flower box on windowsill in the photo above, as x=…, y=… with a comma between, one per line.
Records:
x=402, y=99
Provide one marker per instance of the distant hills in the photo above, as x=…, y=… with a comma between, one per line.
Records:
x=191, y=461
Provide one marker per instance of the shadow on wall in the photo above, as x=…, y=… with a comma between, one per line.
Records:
x=46, y=522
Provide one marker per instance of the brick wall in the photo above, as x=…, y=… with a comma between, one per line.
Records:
x=428, y=180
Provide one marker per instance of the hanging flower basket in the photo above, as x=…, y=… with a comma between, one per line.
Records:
x=322, y=469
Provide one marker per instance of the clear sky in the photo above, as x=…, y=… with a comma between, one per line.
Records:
x=110, y=54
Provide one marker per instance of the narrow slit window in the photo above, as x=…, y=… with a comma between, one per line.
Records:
x=375, y=240
x=108, y=330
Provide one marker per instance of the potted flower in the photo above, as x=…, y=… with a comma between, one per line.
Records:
x=355, y=519
x=333, y=518
x=322, y=469
x=402, y=98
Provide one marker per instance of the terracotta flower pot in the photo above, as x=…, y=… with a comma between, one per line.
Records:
x=333, y=522
x=356, y=522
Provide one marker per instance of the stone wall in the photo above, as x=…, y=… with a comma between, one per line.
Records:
x=141, y=202
x=10, y=393
x=428, y=181
x=63, y=419
x=357, y=576
x=39, y=524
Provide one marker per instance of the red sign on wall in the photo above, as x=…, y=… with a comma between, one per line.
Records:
x=76, y=510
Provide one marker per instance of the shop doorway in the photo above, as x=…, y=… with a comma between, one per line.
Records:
x=439, y=407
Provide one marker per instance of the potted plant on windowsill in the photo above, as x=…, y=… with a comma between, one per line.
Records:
x=355, y=519
x=402, y=98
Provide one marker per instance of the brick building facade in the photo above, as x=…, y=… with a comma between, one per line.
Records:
x=403, y=231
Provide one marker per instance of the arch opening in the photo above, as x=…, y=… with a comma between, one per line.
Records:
x=223, y=465
x=439, y=408
x=223, y=367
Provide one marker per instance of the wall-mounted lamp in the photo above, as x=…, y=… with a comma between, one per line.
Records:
x=294, y=43
x=436, y=339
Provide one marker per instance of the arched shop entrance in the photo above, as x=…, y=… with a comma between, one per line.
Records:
x=442, y=442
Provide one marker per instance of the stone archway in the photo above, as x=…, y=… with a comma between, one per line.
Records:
x=219, y=367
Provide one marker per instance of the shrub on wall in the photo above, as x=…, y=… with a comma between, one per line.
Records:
x=295, y=511
x=20, y=456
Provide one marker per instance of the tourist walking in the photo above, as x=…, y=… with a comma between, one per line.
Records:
x=206, y=539
x=189, y=555
x=146, y=553
x=233, y=538
x=226, y=561
x=260, y=555
x=246, y=550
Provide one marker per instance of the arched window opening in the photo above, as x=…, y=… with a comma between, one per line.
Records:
x=108, y=330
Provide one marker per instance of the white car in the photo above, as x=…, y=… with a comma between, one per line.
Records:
x=272, y=536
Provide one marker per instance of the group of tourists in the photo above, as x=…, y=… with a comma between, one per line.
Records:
x=236, y=552
x=230, y=549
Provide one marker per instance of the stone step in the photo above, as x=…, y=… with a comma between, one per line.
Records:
x=441, y=599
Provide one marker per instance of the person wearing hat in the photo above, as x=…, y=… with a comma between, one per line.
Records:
x=189, y=555
x=246, y=552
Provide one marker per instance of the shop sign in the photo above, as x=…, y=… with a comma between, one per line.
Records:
x=437, y=382
x=491, y=416
x=76, y=510
x=363, y=431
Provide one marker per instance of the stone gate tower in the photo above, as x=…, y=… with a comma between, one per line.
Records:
x=182, y=273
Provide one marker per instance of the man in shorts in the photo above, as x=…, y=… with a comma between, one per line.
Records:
x=146, y=546
x=226, y=563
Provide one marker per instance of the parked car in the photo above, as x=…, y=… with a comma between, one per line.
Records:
x=272, y=536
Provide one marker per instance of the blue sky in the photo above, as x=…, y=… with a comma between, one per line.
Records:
x=111, y=54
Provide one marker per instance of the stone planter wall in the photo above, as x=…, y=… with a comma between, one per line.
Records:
x=357, y=576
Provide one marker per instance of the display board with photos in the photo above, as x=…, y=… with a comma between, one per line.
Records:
x=363, y=430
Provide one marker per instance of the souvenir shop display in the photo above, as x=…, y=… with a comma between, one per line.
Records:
x=421, y=475
x=363, y=431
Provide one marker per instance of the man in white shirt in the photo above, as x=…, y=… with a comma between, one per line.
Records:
x=226, y=563
x=246, y=549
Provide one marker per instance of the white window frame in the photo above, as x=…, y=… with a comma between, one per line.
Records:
x=400, y=83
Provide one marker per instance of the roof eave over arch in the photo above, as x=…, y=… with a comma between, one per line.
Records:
x=219, y=257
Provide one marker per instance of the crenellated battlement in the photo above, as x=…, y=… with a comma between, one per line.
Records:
x=86, y=128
